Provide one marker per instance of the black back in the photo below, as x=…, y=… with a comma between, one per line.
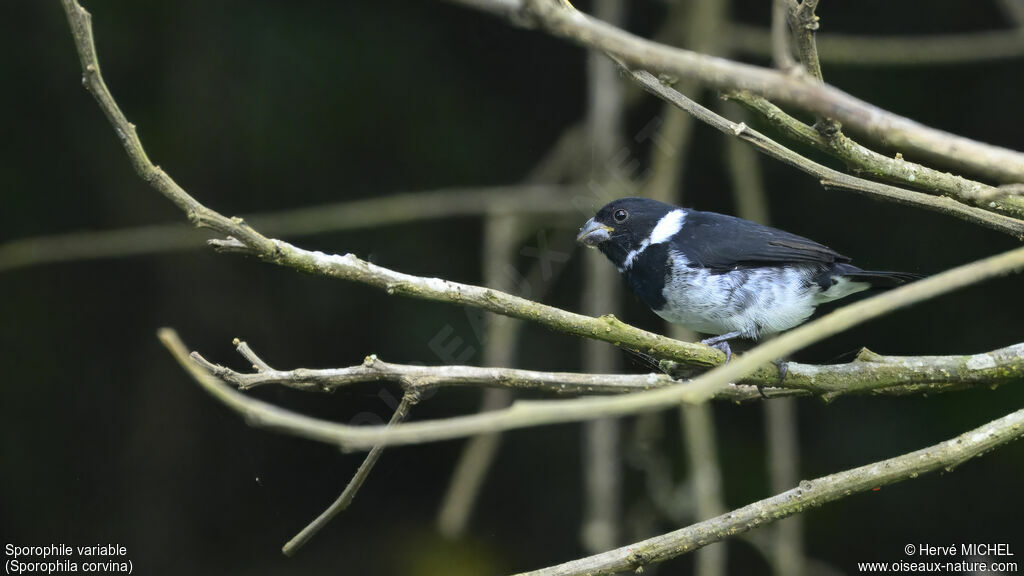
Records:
x=721, y=242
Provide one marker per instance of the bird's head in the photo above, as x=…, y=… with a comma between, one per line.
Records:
x=628, y=225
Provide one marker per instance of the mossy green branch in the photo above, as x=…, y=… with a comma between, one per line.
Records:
x=827, y=135
x=828, y=176
x=871, y=373
x=866, y=161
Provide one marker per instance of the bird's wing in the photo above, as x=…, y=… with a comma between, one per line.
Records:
x=721, y=242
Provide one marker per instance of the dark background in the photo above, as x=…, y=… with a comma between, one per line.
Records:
x=260, y=106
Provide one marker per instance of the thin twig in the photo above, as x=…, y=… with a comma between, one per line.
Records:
x=606, y=328
x=808, y=494
x=746, y=175
x=781, y=46
x=360, y=214
x=870, y=373
x=601, y=471
x=81, y=30
x=804, y=23
x=893, y=51
x=475, y=461
x=995, y=162
x=349, y=493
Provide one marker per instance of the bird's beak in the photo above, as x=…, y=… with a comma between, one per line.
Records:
x=593, y=233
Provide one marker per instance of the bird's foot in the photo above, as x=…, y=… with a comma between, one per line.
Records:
x=783, y=368
x=721, y=343
x=724, y=347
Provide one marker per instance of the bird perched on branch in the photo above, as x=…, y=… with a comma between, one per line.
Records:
x=722, y=275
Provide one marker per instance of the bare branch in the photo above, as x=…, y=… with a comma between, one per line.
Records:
x=349, y=493
x=869, y=373
x=896, y=51
x=81, y=30
x=768, y=146
x=781, y=45
x=335, y=217
x=422, y=378
x=601, y=474
x=808, y=494
x=803, y=23
x=938, y=146
x=862, y=159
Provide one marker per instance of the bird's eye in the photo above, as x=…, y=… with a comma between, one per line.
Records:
x=620, y=215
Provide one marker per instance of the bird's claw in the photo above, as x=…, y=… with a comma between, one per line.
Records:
x=722, y=345
x=783, y=368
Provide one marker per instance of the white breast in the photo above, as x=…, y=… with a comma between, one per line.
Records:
x=753, y=301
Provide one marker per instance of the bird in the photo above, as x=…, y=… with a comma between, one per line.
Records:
x=721, y=275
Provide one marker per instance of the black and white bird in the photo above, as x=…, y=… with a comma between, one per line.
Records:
x=721, y=275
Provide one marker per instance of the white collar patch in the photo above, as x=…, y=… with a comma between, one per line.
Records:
x=667, y=227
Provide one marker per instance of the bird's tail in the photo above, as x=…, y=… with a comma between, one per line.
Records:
x=879, y=279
